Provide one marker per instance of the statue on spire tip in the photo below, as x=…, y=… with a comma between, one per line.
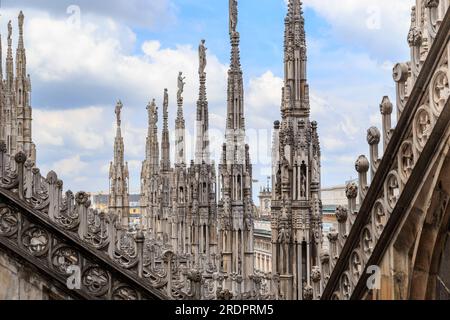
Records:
x=9, y=30
x=181, y=84
x=152, y=112
x=202, y=57
x=233, y=16
x=118, y=111
x=21, y=19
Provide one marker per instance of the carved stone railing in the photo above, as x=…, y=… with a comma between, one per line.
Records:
x=57, y=232
x=423, y=109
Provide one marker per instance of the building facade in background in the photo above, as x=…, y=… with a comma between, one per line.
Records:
x=15, y=98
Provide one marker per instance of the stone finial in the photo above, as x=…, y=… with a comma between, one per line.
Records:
x=81, y=198
x=373, y=139
x=373, y=136
x=20, y=157
x=308, y=293
x=362, y=164
x=351, y=190
x=52, y=177
x=341, y=214
x=400, y=72
x=386, y=106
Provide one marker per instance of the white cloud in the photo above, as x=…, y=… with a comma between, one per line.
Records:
x=70, y=167
x=81, y=128
x=366, y=22
x=138, y=13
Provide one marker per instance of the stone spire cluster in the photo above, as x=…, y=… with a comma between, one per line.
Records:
x=179, y=202
x=150, y=170
x=235, y=208
x=118, y=175
x=216, y=236
x=15, y=98
x=296, y=204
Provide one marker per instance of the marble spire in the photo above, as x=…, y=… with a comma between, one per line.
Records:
x=202, y=154
x=119, y=175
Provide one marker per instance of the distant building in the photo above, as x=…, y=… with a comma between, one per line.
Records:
x=263, y=245
x=265, y=196
x=100, y=202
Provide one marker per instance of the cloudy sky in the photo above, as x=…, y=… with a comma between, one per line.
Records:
x=85, y=55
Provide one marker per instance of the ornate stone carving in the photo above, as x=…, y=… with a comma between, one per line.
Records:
x=316, y=274
x=422, y=126
x=341, y=214
x=346, y=286
x=392, y=190
x=356, y=264
x=124, y=293
x=362, y=164
x=373, y=136
x=367, y=241
x=379, y=216
x=440, y=90
x=351, y=190
x=36, y=240
x=308, y=293
x=407, y=160
x=96, y=280
x=9, y=221
x=64, y=257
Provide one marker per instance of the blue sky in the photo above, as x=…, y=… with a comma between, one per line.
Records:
x=83, y=59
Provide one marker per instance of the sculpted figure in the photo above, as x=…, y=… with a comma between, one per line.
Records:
x=9, y=30
x=118, y=111
x=233, y=16
x=202, y=57
x=181, y=84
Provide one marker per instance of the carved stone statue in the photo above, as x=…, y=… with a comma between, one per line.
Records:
x=285, y=171
x=181, y=84
x=118, y=111
x=202, y=57
x=233, y=16
x=9, y=30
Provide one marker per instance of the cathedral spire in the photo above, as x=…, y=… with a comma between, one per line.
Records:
x=9, y=61
x=119, y=175
x=296, y=90
x=165, y=143
x=202, y=141
x=180, y=124
x=20, y=54
x=235, y=118
x=152, y=149
x=295, y=170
